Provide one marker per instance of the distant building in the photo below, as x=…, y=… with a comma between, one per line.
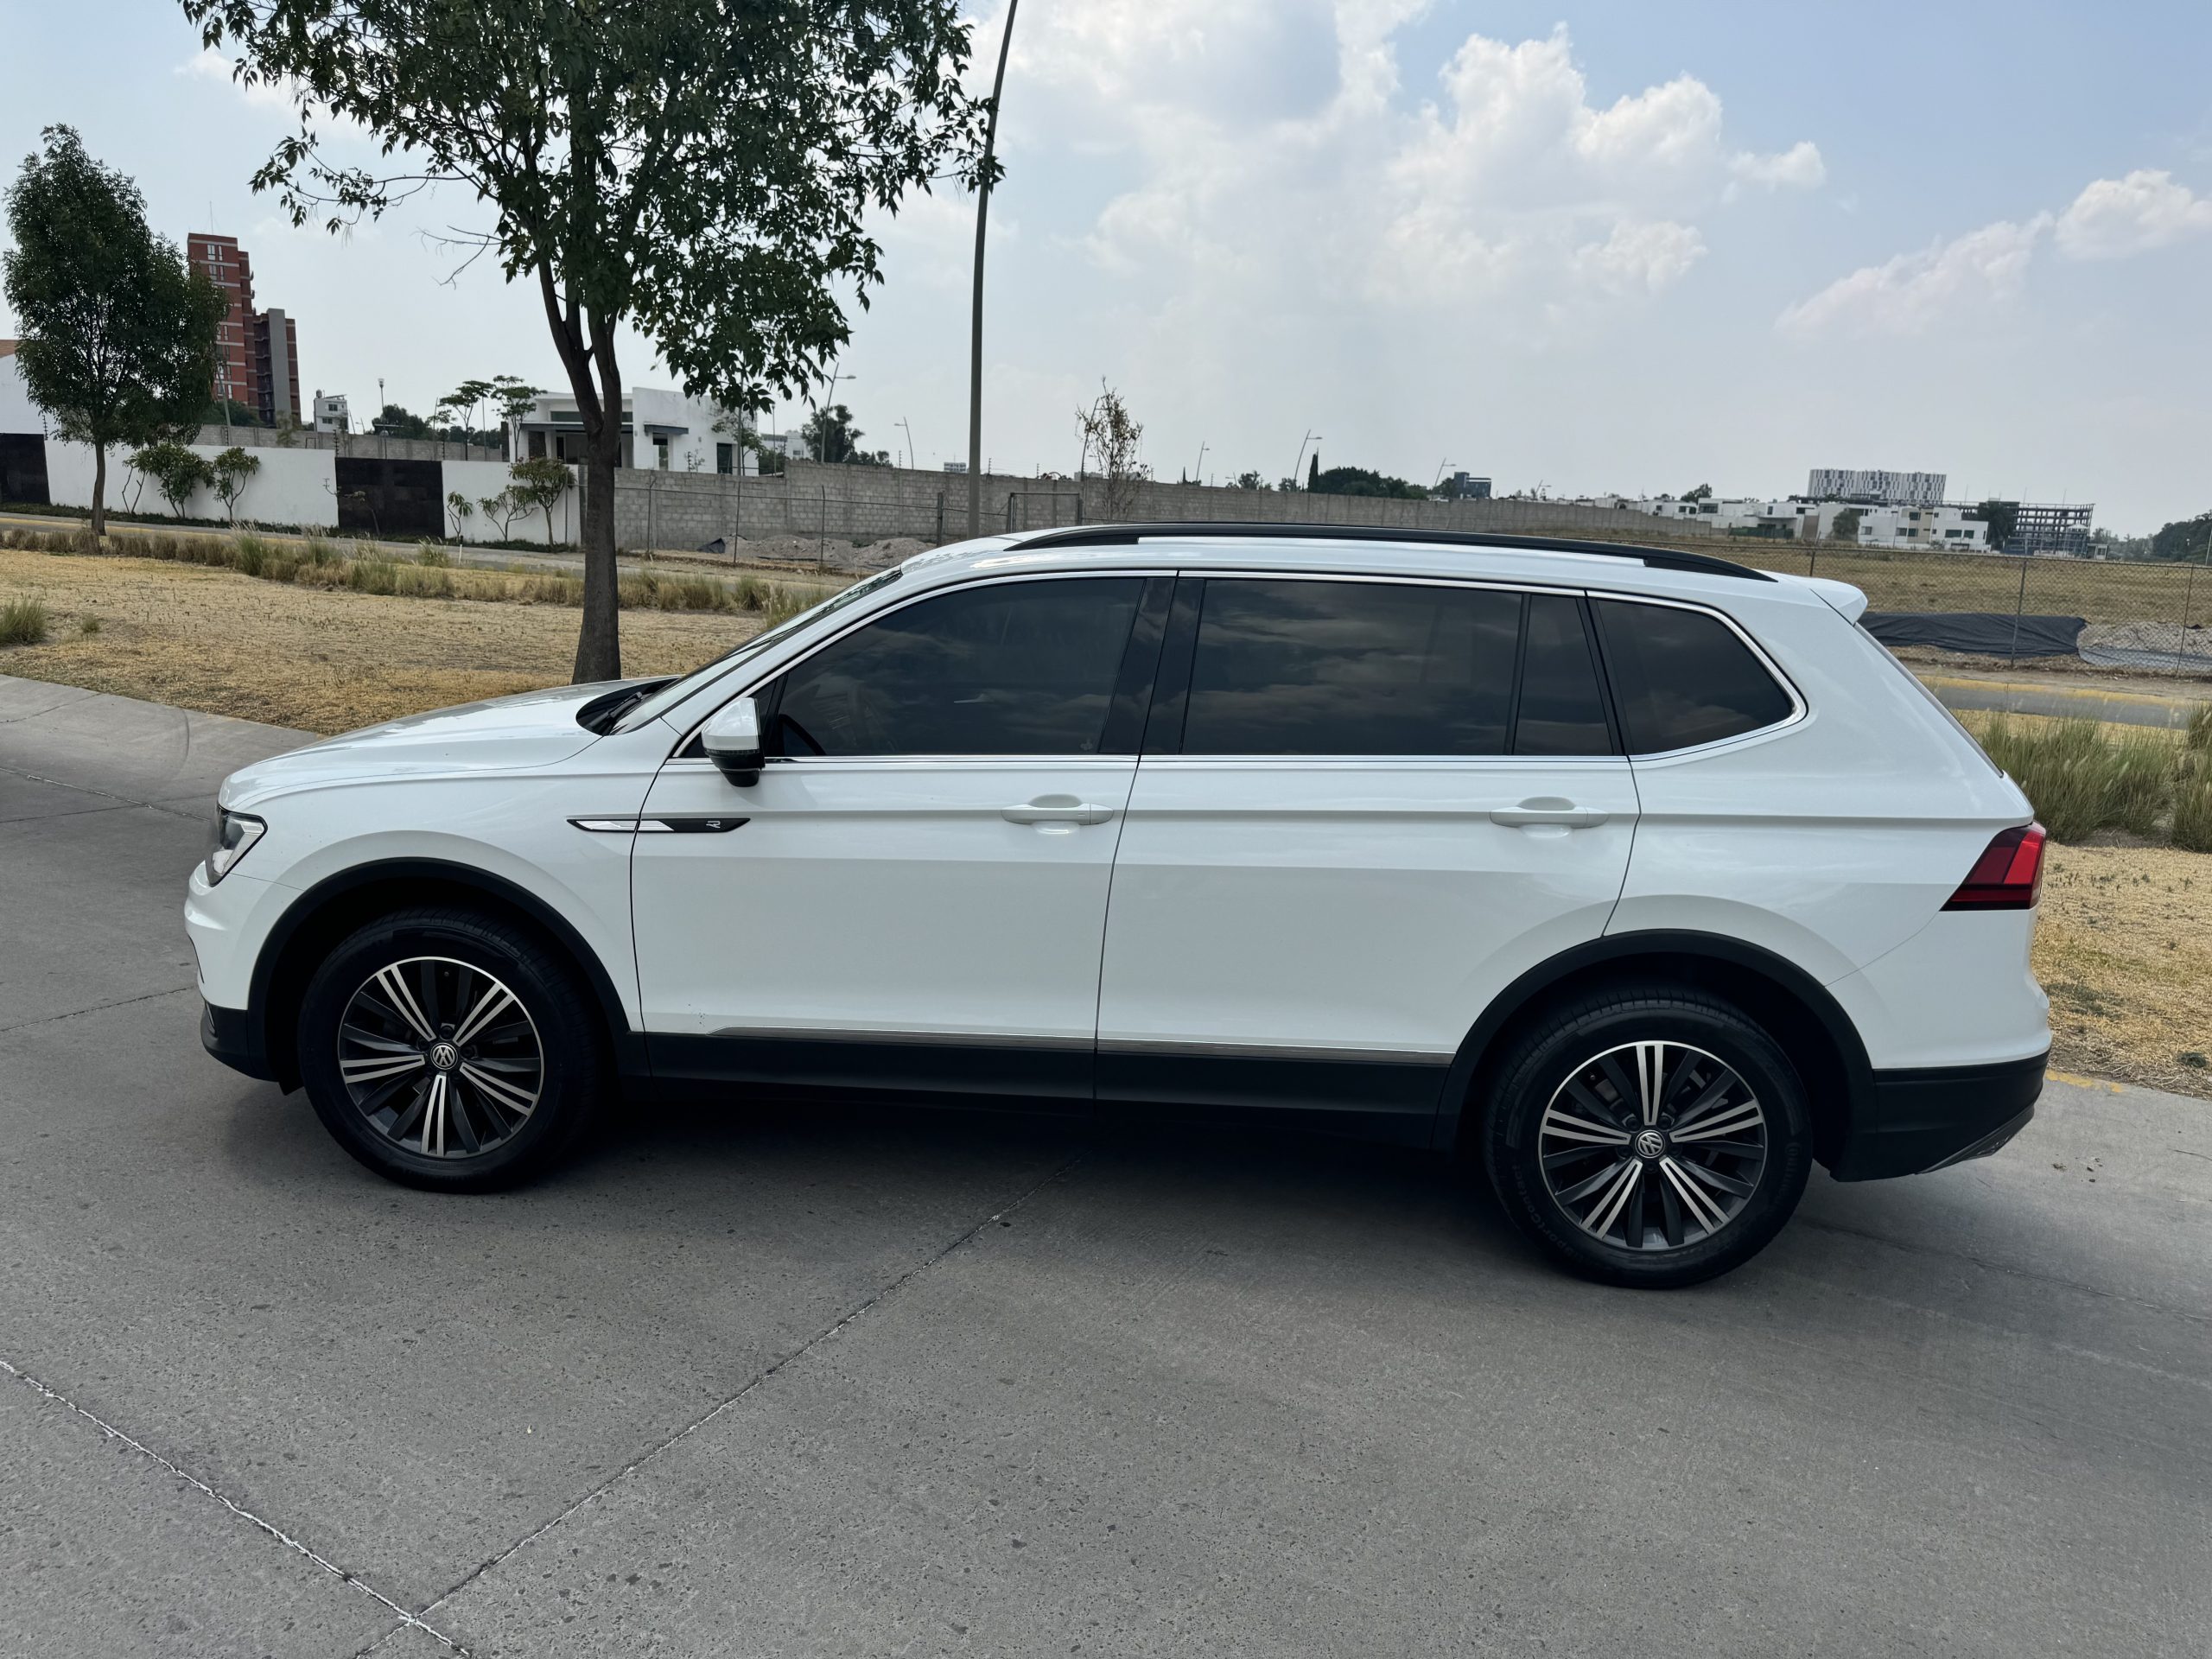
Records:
x=1803, y=519
x=661, y=430
x=956, y=466
x=1872, y=485
x=2048, y=529
x=332, y=412
x=257, y=353
x=1466, y=487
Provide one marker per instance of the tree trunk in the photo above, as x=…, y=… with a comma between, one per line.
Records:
x=100, y=491
x=598, y=645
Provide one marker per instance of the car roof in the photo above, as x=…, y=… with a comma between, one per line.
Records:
x=1352, y=550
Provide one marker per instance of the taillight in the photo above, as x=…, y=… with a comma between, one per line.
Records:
x=2007, y=876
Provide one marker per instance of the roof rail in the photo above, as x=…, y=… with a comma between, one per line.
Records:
x=1657, y=558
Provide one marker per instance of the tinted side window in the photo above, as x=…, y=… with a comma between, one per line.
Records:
x=1681, y=677
x=1014, y=668
x=1562, y=709
x=1352, y=668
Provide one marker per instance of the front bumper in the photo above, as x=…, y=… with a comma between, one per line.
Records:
x=1926, y=1119
x=232, y=1036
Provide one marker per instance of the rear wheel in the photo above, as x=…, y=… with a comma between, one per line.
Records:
x=1649, y=1137
x=451, y=1049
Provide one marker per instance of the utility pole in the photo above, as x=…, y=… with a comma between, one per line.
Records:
x=975, y=320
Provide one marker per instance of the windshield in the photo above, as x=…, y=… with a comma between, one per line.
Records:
x=675, y=692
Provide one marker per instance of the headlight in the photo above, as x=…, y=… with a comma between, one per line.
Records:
x=235, y=834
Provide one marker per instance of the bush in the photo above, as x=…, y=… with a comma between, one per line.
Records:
x=2078, y=782
x=374, y=577
x=249, y=555
x=2193, y=811
x=22, y=622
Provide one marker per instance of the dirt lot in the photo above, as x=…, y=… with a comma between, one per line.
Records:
x=325, y=660
x=2124, y=947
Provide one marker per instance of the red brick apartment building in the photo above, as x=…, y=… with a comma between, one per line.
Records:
x=257, y=353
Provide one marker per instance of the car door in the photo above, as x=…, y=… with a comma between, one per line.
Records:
x=1364, y=808
x=913, y=893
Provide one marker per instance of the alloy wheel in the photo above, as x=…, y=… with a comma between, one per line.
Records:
x=440, y=1057
x=1652, y=1146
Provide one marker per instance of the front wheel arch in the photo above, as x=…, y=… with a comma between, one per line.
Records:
x=1792, y=1006
x=332, y=909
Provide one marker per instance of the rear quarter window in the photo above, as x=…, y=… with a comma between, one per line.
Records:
x=1683, y=677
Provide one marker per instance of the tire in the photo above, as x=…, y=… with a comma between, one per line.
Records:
x=1601, y=1182
x=452, y=1050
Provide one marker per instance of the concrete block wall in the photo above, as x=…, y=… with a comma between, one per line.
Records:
x=674, y=510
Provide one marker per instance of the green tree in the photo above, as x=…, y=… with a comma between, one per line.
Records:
x=1251, y=481
x=1845, y=527
x=1361, y=480
x=178, y=472
x=119, y=335
x=229, y=412
x=1702, y=493
x=830, y=436
x=699, y=171
x=540, y=483
x=462, y=509
x=2000, y=517
x=1314, y=472
x=466, y=401
x=228, y=475
x=398, y=422
x=2184, y=538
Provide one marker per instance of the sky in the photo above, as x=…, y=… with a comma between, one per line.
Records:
x=1630, y=247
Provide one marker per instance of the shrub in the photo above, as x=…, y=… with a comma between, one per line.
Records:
x=2077, y=782
x=432, y=557
x=317, y=550
x=248, y=554
x=2193, y=811
x=372, y=576
x=22, y=622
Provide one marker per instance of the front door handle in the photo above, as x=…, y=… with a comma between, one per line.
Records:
x=1549, y=809
x=1056, y=808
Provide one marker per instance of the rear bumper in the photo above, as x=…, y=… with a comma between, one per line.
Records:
x=231, y=1035
x=1924, y=1119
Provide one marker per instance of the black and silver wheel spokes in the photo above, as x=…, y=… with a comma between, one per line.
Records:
x=1652, y=1146
x=439, y=1057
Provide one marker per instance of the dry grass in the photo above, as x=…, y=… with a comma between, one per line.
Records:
x=323, y=660
x=2124, y=946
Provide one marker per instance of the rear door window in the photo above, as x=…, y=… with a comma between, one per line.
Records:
x=1562, y=707
x=1683, y=677
x=1352, y=668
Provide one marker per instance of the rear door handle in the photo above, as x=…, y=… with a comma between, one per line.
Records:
x=1549, y=809
x=1056, y=808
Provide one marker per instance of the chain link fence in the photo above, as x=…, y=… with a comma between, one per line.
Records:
x=2146, y=617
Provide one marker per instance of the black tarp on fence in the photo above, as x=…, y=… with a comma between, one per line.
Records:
x=1984, y=633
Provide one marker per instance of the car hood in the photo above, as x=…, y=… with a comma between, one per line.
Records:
x=534, y=729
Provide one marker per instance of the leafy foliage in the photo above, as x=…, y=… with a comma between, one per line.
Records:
x=831, y=437
x=119, y=333
x=540, y=484
x=2184, y=538
x=697, y=171
x=2000, y=517
x=228, y=475
x=1359, y=480
x=177, y=472
x=1113, y=436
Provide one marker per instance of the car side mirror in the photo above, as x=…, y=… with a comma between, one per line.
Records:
x=732, y=740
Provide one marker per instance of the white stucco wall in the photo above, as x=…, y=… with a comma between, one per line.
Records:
x=294, y=487
x=478, y=479
x=17, y=412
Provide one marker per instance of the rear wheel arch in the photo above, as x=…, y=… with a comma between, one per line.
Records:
x=331, y=910
x=1802, y=1018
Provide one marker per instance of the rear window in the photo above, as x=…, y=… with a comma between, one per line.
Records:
x=1683, y=677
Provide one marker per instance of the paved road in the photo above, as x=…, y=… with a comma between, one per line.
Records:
x=2056, y=694
x=862, y=1383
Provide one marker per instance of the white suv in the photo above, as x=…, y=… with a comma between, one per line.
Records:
x=1646, y=878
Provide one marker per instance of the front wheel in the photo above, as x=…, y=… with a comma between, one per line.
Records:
x=449, y=1050
x=1651, y=1137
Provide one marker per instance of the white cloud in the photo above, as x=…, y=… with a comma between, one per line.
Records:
x=211, y=66
x=1798, y=168
x=1914, y=291
x=1256, y=177
x=2114, y=217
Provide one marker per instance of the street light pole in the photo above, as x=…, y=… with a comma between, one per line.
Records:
x=1309, y=438
x=975, y=319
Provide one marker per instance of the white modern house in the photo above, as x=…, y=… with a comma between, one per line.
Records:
x=1943, y=527
x=660, y=429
